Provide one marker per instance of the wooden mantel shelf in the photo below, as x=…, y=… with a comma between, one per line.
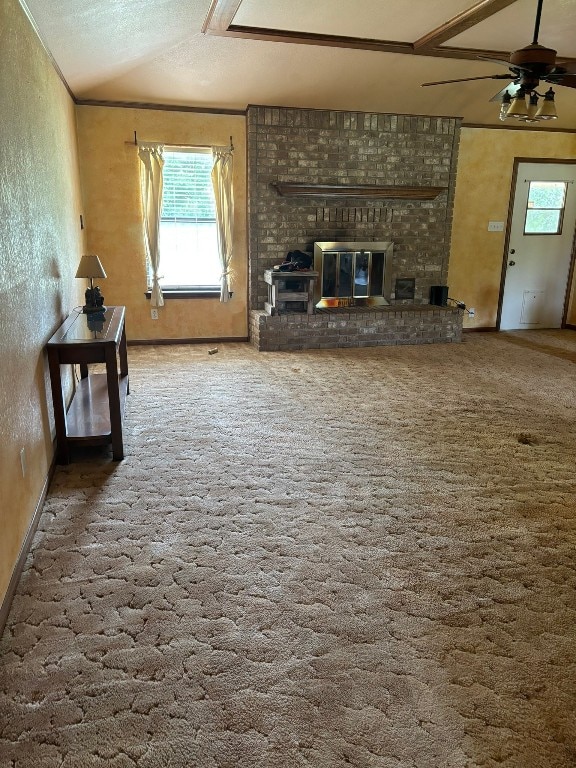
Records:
x=367, y=191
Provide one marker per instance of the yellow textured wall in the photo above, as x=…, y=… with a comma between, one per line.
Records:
x=110, y=181
x=40, y=246
x=484, y=177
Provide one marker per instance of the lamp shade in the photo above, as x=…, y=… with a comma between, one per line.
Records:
x=90, y=266
x=518, y=107
x=547, y=109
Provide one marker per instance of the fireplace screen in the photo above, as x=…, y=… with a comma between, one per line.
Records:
x=353, y=274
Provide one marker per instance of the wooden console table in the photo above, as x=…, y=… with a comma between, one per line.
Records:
x=94, y=416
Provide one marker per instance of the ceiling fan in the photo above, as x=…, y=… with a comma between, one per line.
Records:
x=528, y=67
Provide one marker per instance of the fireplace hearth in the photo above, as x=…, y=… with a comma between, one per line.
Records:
x=341, y=327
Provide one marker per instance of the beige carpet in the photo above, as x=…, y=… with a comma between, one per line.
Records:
x=312, y=559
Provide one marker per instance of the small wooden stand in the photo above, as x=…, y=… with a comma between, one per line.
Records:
x=290, y=291
x=94, y=416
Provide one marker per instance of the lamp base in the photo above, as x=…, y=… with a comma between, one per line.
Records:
x=94, y=300
x=88, y=310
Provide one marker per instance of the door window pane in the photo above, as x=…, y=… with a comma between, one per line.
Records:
x=542, y=222
x=546, y=194
x=545, y=209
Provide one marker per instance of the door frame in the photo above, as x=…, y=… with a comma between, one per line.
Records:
x=505, y=255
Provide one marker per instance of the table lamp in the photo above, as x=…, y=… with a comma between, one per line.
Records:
x=91, y=267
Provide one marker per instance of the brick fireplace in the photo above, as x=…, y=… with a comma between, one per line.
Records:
x=320, y=175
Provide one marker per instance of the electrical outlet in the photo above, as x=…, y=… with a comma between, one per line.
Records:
x=154, y=314
x=495, y=226
x=471, y=312
x=23, y=461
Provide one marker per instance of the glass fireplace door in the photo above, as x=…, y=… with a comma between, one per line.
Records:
x=352, y=274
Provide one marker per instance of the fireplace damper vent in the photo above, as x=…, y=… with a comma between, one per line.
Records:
x=353, y=273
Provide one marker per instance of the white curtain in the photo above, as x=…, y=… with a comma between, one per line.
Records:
x=222, y=183
x=152, y=162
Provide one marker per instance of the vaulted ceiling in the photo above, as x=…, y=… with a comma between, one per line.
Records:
x=366, y=55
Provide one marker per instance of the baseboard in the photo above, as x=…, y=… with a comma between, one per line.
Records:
x=570, y=326
x=25, y=548
x=159, y=342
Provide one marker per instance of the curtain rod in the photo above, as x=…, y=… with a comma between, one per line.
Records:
x=134, y=143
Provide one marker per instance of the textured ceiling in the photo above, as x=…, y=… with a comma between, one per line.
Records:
x=115, y=51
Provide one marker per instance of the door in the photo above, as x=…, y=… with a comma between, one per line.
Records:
x=540, y=246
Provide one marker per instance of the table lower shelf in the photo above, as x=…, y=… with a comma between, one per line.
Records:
x=88, y=417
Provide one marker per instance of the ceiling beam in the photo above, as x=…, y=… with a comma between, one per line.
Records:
x=460, y=23
x=219, y=21
x=220, y=16
x=312, y=38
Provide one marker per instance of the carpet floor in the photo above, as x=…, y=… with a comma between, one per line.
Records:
x=316, y=559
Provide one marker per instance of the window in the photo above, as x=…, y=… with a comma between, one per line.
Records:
x=188, y=241
x=545, y=209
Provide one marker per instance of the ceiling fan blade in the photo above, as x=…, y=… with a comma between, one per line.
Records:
x=564, y=68
x=568, y=80
x=494, y=60
x=513, y=67
x=511, y=88
x=466, y=79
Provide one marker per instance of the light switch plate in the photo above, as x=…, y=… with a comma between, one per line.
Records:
x=495, y=226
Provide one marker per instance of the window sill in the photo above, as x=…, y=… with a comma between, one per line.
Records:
x=189, y=294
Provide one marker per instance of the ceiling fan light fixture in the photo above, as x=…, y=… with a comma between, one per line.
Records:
x=547, y=110
x=518, y=106
x=528, y=67
x=532, y=116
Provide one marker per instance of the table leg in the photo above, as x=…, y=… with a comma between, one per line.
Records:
x=114, y=403
x=62, y=448
x=123, y=355
x=310, y=307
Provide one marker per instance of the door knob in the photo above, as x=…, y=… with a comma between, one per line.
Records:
x=511, y=263
x=512, y=250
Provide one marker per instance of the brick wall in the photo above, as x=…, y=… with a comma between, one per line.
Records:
x=327, y=147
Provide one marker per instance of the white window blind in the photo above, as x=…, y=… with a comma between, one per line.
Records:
x=188, y=194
